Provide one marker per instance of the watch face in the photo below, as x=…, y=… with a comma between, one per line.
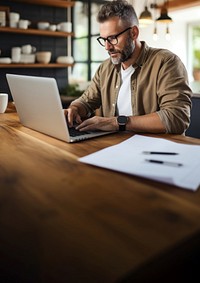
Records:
x=122, y=119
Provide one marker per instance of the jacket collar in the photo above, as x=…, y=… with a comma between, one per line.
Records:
x=141, y=58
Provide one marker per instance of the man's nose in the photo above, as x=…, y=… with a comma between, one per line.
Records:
x=108, y=45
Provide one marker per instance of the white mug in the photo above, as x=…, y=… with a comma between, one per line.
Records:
x=13, y=24
x=3, y=102
x=23, y=24
x=14, y=16
x=14, y=19
x=16, y=54
x=28, y=49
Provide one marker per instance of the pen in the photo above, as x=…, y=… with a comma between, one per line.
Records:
x=160, y=152
x=169, y=163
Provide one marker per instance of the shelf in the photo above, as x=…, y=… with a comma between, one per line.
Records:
x=52, y=3
x=30, y=31
x=35, y=65
x=59, y=42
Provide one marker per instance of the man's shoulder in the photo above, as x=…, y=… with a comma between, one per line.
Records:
x=154, y=54
x=161, y=52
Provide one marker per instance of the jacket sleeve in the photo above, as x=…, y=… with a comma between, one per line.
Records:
x=91, y=98
x=174, y=95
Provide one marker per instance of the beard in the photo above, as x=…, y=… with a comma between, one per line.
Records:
x=124, y=54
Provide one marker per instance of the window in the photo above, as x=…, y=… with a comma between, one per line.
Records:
x=194, y=50
x=87, y=52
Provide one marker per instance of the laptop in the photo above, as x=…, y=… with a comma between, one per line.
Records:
x=38, y=104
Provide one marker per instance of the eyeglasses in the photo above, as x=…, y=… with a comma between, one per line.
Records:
x=112, y=39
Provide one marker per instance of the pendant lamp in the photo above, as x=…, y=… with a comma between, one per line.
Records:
x=164, y=18
x=145, y=17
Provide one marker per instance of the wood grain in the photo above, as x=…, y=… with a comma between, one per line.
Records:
x=64, y=221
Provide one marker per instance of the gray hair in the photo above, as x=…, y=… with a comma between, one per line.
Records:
x=118, y=8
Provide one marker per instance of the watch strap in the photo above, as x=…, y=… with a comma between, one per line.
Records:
x=122, y=127
x=122, y=121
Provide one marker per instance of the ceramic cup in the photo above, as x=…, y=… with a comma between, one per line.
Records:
x=14, y=16
x=65, y=26
x=52, y=27
x=28, y=49
x=23, y=24
x=43, y=25
x=3, y=102
x=43, y=57
x=14, y=19
x=16, y=54
x=13, y=24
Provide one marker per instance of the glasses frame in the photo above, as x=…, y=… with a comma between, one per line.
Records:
x=111, y=37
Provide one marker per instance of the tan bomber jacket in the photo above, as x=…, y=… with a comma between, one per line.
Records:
x=159, y=84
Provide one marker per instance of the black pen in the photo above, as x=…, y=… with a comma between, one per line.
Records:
x=160, y=152
x=169, y=163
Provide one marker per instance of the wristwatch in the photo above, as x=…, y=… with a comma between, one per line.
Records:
x=122, y=121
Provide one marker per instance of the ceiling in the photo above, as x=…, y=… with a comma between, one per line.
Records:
x=190, y=14
x=182, y=10
x=181, y=4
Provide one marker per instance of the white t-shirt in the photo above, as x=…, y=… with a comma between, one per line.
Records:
x=124, y=106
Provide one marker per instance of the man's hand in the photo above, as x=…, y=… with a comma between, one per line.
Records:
x=72, y=115
x=99, y=123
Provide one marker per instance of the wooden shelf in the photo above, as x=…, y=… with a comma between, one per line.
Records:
x=52, y=3
x=182, y=4
x=34, y=36
x=35, y=65
x=30, y=31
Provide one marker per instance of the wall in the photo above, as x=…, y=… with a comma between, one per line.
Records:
x=177, y=42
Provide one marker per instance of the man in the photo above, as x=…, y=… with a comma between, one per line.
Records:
x=138, y=88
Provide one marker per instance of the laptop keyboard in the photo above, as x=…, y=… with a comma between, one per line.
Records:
x=74, y=133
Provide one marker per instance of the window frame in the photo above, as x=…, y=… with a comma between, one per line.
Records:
x=89, y=37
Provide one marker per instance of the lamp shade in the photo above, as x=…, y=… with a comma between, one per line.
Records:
x=164, y=18
x=145, y=17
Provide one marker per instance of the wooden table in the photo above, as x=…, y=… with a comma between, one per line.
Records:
x=64, y=221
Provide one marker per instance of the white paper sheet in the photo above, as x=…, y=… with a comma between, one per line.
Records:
x=128, y=157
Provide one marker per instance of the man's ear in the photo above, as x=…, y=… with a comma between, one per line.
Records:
x=134, y=32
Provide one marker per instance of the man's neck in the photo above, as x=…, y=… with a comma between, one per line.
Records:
x=134, y=57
